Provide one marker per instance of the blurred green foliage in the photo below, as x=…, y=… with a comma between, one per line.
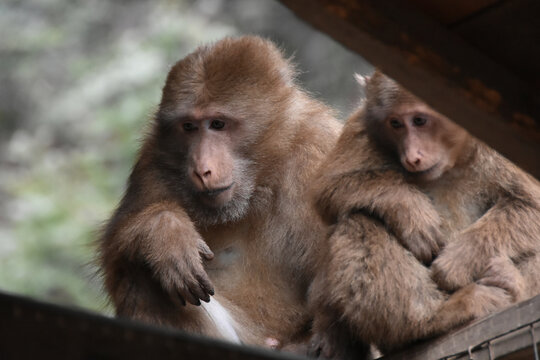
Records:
x=78, y=82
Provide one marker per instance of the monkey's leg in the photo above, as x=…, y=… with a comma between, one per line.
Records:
x=510, y=228
x=332, y=338
x=381, y=290
x=387, y=296
x=501, y=284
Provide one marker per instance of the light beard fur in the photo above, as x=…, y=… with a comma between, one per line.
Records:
x=235, y=209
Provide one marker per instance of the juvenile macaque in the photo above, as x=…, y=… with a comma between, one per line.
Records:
x=216, y=208
x=403, y=187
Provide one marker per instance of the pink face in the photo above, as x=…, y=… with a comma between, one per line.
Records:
x=213, y=175
x=210, y=164
x=423, y=140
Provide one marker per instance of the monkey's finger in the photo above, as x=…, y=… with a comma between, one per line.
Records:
x=423, y=253
x=440, y=241
x=178, y=299
x=199, y=292
x=435, y=246
x=197, y=299
x=205, y=251
x=190, y=298
x=494, y=281
x=205, y=284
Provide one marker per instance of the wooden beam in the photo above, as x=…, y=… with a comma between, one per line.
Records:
x=31, y=329
x=439, y=67
x=508, y=332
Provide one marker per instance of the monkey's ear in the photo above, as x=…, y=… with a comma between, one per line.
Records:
x=361, y=79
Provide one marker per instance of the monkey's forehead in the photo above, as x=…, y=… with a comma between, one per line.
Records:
x=408, y=107
x=232, y=62
x=254, y=108
x=197, y=112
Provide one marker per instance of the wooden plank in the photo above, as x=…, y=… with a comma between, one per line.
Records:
x=499, y=327
x=509, y=33
x=440, y=68
x=448, y=12
x=514, y=346
x=31, y=329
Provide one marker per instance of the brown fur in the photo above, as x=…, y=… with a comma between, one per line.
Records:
x=476, y=213
x=164, y=248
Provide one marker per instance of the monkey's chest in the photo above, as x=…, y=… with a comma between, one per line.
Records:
x=225, y=270
x=243, y=275
x=457, y=209
x=226, y=259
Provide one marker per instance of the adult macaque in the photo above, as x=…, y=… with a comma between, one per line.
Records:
x=403, y=186
x=216, y=207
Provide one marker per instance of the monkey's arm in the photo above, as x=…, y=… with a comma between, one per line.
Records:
x=162, y=237
x=406, y=211
x=510, y=228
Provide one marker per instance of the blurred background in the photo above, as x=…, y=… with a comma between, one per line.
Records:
x=78, y=82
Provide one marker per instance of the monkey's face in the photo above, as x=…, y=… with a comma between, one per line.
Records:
x=215, y=176
x=423, y=139
x=217, y=105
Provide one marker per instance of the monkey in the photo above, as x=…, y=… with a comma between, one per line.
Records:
x=215, y=234
x=429, y=227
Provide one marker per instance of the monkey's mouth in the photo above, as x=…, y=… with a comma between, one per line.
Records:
x=429, y=174
x=426, y=171
x=217, y=191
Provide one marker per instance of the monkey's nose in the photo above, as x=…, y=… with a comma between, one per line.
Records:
x=201, y=178
x=204, y=175
x=413, y=162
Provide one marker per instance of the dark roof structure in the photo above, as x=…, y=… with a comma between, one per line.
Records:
x=476, y=61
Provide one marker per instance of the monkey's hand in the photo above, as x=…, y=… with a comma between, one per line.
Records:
x=501, y=272
x=424, y=244
x=410, y=216
x=486, y=300
x=459, y=264
x=181, y=272
x=174, y=250
x=417, y=227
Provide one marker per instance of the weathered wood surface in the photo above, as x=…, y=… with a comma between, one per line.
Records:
x=31, y=329
x=438, y=64
x=500, y=328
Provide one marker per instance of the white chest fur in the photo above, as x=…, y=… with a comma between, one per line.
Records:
x=222, y=319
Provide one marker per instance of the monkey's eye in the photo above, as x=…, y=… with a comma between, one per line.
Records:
x=395, y=123
x=217, y=124
x=419, y=121
x=187, y=126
